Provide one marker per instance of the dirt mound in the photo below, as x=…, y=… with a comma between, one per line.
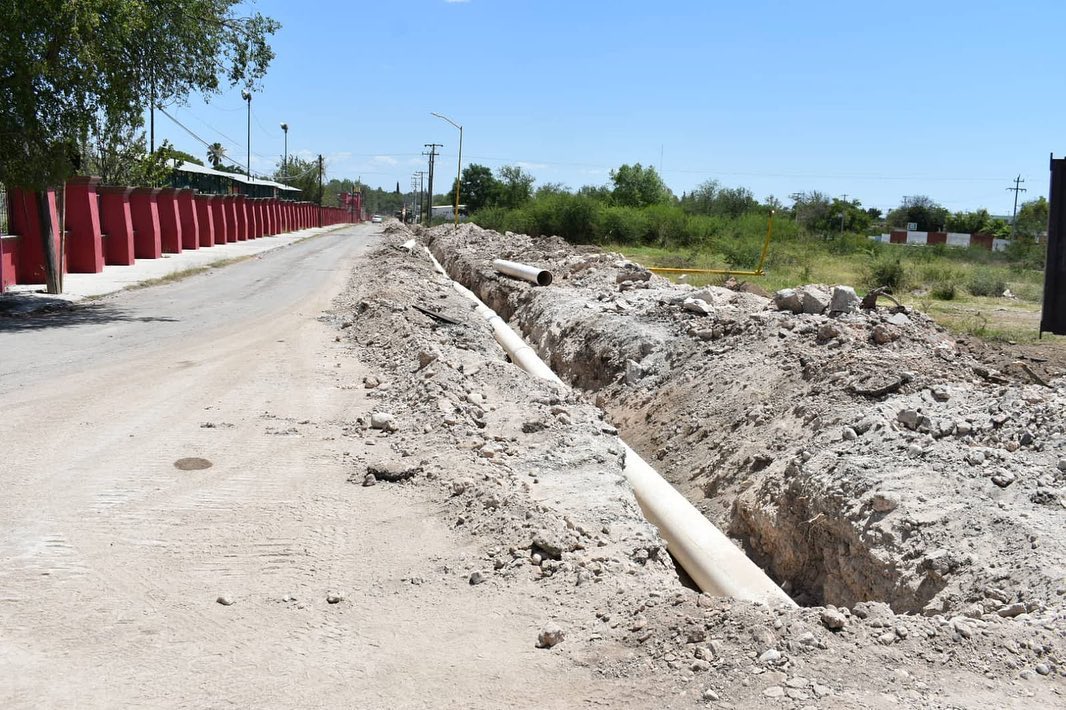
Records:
x=532, y=471
x=859, y=456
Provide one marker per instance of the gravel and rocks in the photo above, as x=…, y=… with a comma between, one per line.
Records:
x=943, y=592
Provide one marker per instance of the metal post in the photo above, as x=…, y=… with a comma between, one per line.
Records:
x=459, y=170
x=459, y=177
x=285, y=155
x=247, y=96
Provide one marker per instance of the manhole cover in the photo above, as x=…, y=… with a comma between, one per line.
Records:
x=192, y=464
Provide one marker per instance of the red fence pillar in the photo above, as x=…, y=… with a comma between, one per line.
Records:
x=205, y=220
x=189, y=220
x=229, y=203
x=9, y=245
x=169, y=224
x=85, y=249
x=257, y=210
x=147, y=243
x=268, y=216
x=240, y=209
x=252, y=208
x=25, y=222
x=117, y=223
x=220, y=209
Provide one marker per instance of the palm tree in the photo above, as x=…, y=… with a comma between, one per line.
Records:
x=215, y=153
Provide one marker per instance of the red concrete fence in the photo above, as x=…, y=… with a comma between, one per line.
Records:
x=114, y=226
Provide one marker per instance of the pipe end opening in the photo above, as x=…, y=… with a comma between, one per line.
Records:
x=544, y=278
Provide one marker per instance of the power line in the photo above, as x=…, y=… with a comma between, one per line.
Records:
x=205, y=143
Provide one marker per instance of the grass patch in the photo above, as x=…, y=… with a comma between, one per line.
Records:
x=186, y=273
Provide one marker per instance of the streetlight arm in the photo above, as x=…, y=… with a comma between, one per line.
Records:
x=438, y=115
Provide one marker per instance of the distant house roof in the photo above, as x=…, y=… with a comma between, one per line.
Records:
x=236, y=177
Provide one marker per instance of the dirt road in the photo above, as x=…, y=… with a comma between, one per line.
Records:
x=114, y=554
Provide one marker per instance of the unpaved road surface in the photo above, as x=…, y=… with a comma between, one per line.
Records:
x=112, y=558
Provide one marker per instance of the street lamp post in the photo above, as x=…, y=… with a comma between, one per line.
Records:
x=459, y=170
x=285, y=158
x=247, y=96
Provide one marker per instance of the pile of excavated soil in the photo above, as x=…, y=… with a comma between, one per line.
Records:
x=859, y=456
x=753, y=434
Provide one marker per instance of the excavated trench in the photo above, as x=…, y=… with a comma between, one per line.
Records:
x=742, y=433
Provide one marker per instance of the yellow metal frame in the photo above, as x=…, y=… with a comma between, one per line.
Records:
x=726, y=272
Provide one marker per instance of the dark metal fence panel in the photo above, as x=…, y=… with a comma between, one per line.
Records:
x=5, y=223
x=1053, y=316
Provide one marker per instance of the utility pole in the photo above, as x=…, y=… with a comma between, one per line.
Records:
x=320, y=190
x=420, y=176
x=432, y=157
x=1016, y=189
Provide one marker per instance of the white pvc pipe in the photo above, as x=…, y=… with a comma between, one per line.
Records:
x=715, y=564
x=533, y=274
x=710, y=558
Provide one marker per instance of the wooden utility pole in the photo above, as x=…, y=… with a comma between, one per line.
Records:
x=1016, y=189
x=319, y=190
x=432, y=158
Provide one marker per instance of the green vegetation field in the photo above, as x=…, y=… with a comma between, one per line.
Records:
x=961, y=288
x=815, y=240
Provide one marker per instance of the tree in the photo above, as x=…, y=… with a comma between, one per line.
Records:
x=515, y=186
x=710, y=198
x=1032, y=218
x=637, y=186
x=477, y=189
x=64, y=63
x=332, y=191
x=920, y=210
x=600, y=193
x=301, y=174
x=215, y=153
x=811, y=209
x=700, y=200
x=115, y=146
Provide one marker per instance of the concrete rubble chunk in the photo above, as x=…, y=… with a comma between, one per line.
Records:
x=833, y=620
x=788, y=299
x=382, y=420
x=843, y=299
x=551, y=635
x=393, y=471
x=899, y=319
x=884, y=334
x=632, y=272
x=815, y=299
x=715, y=296
x=634, y=372
x=697, y=305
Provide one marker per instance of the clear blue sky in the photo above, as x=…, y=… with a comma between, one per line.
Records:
x=945, y=98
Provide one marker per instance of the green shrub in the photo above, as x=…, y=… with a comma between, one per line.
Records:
x=1032, y=292
x=886, y=272
x=623, y=225
x=490, y=218
x=943, y=290
x=518, y=221
x=667, y=225
x=986, y=282
x=1026, y=254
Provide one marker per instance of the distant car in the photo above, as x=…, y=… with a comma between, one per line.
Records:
x=377, y=219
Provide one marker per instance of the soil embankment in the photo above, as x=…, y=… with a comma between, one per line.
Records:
x=754, y=434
